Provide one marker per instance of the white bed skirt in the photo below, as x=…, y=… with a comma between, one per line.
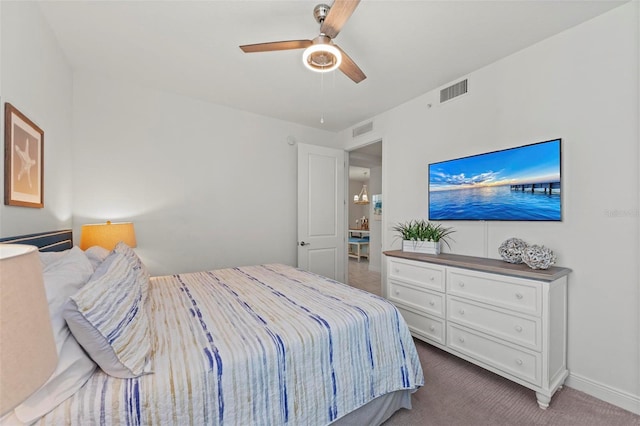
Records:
x=377, y=411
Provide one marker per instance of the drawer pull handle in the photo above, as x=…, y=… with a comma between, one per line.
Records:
x=518, y=295
x=461, y=311
x=461, y=284
x=431, y=302
x=518, y=328
x=519, y=361
x=432, y=278
x=461, y=339
x=397, y=271
x=397, y=293
x=432, y=328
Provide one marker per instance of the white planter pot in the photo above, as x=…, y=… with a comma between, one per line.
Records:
x=428, y=247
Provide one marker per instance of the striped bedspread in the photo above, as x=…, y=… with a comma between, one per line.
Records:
x=256, y=345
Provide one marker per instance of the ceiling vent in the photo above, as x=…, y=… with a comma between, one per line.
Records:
x=361, y=130
x=453, y=91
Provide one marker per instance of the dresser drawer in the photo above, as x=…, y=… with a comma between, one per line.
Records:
x=424, y=300
x=508, y=292
x=425, y=326
x=417, y=273
x=525, y=331
x=523, y=364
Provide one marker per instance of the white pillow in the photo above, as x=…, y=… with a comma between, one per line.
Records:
x=49, y=257
x=108, y=318
x=96, y=255
x=62, y=278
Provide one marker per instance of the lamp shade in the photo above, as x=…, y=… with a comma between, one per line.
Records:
x=28, y=353
x=107, y=235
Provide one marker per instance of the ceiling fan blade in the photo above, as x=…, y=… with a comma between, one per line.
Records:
x=275, y=45
x=350, y=69
x=338, y=15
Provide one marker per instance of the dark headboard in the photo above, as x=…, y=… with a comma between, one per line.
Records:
x=45, y=241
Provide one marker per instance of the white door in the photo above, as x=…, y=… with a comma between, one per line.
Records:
x=321, y=219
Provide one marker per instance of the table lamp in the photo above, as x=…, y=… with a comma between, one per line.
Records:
x=107, y=235
x=28, y=353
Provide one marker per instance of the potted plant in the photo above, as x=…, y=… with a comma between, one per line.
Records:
x=421, y=236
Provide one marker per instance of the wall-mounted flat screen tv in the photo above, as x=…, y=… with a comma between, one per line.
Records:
x=521, y=183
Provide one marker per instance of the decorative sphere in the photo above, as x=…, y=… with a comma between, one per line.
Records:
x=511, y=250
x=538, y=257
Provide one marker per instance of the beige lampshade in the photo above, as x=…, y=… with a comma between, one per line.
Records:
x=27, y=348
x=107, y=235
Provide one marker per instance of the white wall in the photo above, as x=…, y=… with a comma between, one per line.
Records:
x=581, y=86
x=36, y=79
x=206, y=186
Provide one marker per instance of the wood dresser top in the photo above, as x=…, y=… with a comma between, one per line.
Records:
x=484, y=264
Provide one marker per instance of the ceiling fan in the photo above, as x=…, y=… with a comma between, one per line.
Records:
x=321, y=54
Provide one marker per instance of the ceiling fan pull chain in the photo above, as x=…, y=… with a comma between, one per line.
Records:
x=322, y=98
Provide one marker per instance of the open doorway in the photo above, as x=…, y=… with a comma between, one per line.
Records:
x=365, y=218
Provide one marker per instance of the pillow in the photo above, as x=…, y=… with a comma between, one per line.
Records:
x=96, y=255
x=136, y=264
x=108, y=318
x=103, y=268
x=62, y=277
x=49, y=257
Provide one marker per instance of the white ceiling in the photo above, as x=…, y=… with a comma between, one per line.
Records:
x=362, y=159
x=406, y=48
x=360, y=174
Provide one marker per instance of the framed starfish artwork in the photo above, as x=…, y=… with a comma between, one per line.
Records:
x=23, y=160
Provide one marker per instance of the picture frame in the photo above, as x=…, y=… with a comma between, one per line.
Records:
x=23, y=160
x=377, y=207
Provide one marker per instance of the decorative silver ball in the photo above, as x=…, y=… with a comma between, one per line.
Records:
x=511, y=250
x=538, y=257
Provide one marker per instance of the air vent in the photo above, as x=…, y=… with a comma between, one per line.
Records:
x=453, y=91
x=361, y=130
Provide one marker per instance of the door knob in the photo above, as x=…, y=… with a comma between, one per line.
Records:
x=302, y=243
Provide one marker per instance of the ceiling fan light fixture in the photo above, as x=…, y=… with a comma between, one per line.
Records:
x=322, y=55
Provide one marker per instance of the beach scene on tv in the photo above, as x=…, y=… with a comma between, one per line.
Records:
x=520, y=183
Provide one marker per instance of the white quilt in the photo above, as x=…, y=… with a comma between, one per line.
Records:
x=256, y=345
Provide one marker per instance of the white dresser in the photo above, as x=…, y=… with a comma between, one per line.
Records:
x=507, y=318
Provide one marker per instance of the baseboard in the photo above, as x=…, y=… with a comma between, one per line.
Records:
x=606, y=393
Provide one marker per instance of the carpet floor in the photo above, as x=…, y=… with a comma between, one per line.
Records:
x=458, y=393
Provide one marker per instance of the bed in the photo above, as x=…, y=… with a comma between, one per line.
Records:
x=252, y=345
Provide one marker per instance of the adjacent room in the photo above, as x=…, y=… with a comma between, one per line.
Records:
x=365, y=218
x=285, y=212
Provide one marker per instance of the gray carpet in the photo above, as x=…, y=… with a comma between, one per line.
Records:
x=459, y=393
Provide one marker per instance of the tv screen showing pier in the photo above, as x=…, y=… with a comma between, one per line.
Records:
x=521, y=183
